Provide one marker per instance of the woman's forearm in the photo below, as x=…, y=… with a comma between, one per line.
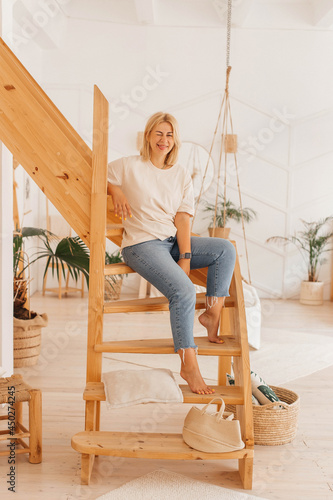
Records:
x=120, y=203
x=183, y=225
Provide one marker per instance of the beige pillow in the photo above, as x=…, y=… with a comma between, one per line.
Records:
x=132, y=387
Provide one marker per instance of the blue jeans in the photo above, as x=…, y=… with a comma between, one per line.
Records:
x=156, y=261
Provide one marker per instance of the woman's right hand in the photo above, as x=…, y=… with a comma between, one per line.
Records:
x=122, y=208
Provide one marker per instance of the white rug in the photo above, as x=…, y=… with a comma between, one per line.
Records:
x=165, y=485
x=289, y=355
x=284, y=356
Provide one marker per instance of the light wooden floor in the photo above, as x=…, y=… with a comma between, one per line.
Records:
x=300, y=470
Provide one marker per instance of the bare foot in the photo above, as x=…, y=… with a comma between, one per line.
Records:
x=195, y=381
x=191, y=373
x=211, y=323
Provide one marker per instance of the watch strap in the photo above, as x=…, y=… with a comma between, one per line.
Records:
x=185, y=256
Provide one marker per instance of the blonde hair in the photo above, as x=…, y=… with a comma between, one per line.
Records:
x=154, y=120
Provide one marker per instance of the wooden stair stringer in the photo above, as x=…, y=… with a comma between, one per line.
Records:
x=241, y=367
x=44, y=143
x=47, y=146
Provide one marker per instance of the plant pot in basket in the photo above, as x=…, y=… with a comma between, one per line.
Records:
x=312, y=242
x=226, y=211
x=312, y=293
x=219, y=232
x=112, y=288
x=27, y=340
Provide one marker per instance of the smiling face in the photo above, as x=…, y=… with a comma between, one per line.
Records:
x=161, y=141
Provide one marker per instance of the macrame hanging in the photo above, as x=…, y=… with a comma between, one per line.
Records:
x=228, y=146
x=195, y=165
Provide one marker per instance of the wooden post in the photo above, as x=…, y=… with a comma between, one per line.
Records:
x=242, y=376
x=332, y=277
x=97, y=263
x=18, y=415
x=97, y=235
x=35, y=426
x=15, y=204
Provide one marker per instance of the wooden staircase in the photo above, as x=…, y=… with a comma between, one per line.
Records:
x=74, y=178
x=93, y=441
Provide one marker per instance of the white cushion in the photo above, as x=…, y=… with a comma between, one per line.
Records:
x=132, y=387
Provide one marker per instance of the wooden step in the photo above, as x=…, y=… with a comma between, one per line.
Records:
x=199, y=276
x=146, y=445
x=94, y=391
x=114, y=230
x=152, y=304
x=119, y=268
x=230, y=346
x=232, y=395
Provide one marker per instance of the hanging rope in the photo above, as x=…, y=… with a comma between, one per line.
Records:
x=227, y=119
x=240, y=202
x=228, y=33
x=209, y=158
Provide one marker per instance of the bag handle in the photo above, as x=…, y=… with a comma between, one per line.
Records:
x=219, y=415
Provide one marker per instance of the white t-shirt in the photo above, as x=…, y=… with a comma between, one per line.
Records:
x=154, y=195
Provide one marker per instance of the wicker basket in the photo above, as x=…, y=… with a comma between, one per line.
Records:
x=274, y=426
x=112, y=289
x=27, y=340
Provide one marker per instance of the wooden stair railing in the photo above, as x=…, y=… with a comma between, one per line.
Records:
x=47, y=146
x=74, y=179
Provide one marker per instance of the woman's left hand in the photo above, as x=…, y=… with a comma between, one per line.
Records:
x=185, y=265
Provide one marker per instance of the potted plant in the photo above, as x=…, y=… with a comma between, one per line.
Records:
x=27, y=323
x=113, y=283
x=312, y=243
x=232, y=212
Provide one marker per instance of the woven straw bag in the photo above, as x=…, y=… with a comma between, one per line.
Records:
x=212, y=433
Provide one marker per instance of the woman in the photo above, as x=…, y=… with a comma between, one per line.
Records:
x=154, y=197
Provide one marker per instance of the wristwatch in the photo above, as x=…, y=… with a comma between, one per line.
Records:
x=185, y=256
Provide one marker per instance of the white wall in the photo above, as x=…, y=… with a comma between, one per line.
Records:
x=6, y=242
x=6, y=255
x=282, y=112
x=28, y=199
x=6, y=263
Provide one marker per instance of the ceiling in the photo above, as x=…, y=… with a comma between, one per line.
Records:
x=31, y=18
x=305, y=14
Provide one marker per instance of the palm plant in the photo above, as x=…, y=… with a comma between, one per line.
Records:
x=69, y=254
x=310, y=242
x=231, y=212
x=113, y=258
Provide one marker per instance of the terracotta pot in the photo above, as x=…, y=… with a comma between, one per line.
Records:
x=312, y=293
x=220, y=232
x=27, y=340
